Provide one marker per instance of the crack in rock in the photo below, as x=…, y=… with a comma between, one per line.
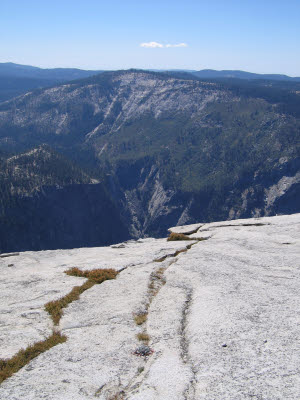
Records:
x=189, y=393
x=156, y=281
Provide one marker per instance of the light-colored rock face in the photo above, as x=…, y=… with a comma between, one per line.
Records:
x=32, y=279
x=283, y=185
x=223, y=317
x=136, y=94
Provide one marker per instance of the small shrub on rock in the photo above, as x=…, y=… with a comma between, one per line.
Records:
x=143, y=351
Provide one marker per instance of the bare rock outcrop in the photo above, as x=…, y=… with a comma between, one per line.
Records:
x=197, y=319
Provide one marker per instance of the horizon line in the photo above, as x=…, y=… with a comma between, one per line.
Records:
x=151, y=69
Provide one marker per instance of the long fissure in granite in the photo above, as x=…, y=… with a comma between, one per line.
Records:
x=156, y=281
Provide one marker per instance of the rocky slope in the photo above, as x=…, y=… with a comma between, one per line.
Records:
x=219, y=317
x=169, y=150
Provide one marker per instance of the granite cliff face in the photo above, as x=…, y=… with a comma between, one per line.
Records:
x=168, y=150
x=214, y=316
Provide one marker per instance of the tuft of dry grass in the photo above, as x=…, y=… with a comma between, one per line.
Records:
x=143, y=337
x=95, y=276
x=12, y=365
x=178, y=236
x=140, y=318
x=55, y=307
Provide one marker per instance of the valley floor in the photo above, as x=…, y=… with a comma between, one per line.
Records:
x=213, y=319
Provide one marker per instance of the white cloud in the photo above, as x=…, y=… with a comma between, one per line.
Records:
x=177, y=45
x=151, y=44
x=155, y=44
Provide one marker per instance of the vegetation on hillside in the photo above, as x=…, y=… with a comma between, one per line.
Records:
x=244, y=137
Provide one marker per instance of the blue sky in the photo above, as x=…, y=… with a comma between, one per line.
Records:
x=257, y=36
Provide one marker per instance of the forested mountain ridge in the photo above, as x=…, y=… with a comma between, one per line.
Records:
x=16, y=79
x=211, y=73
x=28, y=172
x=169, y=148
x=27, y=71
x=48, y=202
